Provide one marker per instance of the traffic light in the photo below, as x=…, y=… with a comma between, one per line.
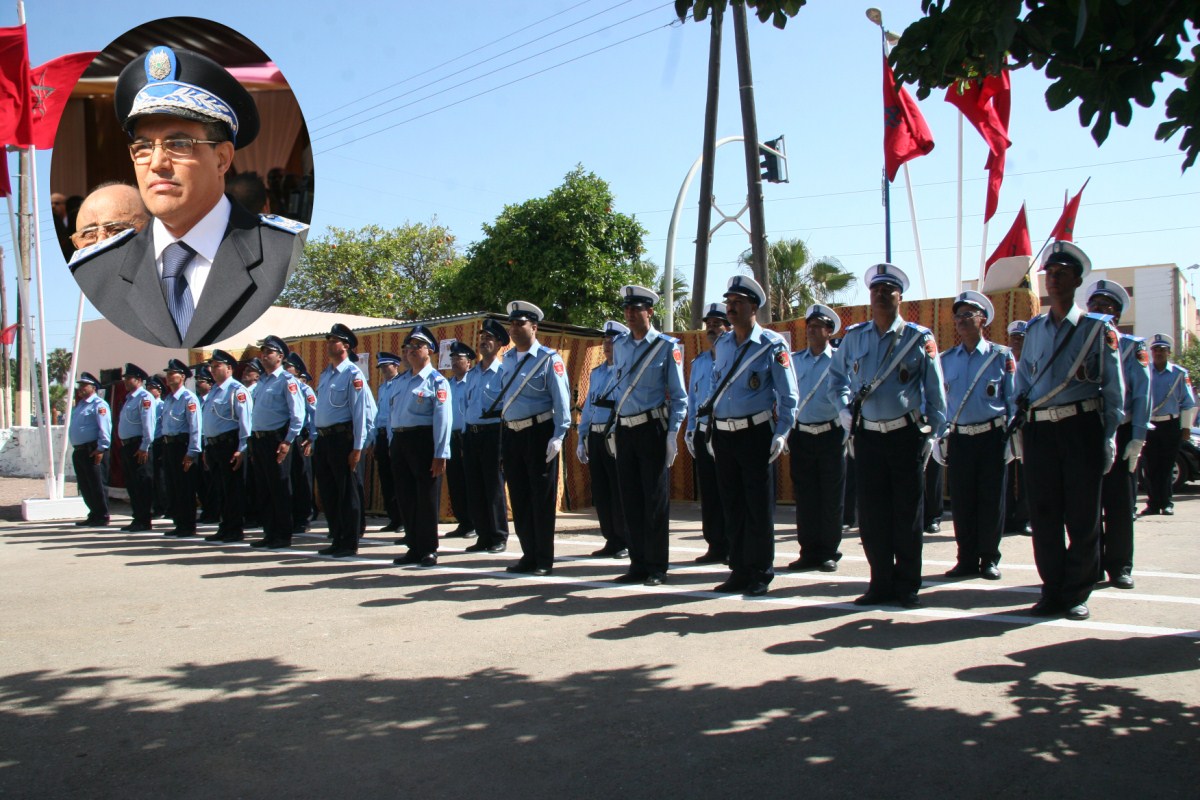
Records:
x=774, y=161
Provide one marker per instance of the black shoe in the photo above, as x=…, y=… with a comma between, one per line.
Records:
x=711, y=558
x=178, y=534
x=756, y=589
x=205, y=519
x=732, y=585
x=519, y=568
x=260, y=543
x=299, y=529
x=655, y=579
x=610, y=551
x=84, y=523
x=280, y=545
x=1026, y=530
x=828, y=565
x=802, y=564
x=391, y=527
x=498, y=548
x=990, y=572
x=216, y=537
x=542, y=571
x=335, y=551
x=962, y=570
x=134, y=527
x=1122, y=579
x=1169, y=511
x=1045, y=608
x=872, y=598
x=408, y=558
x=429, y=560
x=401, y=542
x=478, y=547
x=228, y=538
x=1148, y=512
x=1078, y=612
x=463, y=532
x=933, y=527
x=631, y=577
x=909, y=600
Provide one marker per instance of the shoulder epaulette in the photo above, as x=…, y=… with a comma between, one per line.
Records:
x=919, y=328
x=1098, y=316
x=857, y=326
x=282, y=223
x=99, y=247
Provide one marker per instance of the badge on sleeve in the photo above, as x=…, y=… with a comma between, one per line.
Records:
x=559, y=369
x=1010, y=364
x=102, y=411
x=191, y=408
x=1143, y=357
x=1110, y=336
x=146, y=403
x=312, y=399
x=358, y=384
x=292, y=388
x=783, y=358
x=931, y=347
x=441, y=395
x=241, y=397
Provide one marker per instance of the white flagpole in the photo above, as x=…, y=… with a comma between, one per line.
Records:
x=958, y=249
x=983, y=254
x=36, y=247
x=62, y=470
x=912, y=213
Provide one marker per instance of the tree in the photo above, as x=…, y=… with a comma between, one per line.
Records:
x=375, y=272
x=58, y=364
x=568, y=253
x=1107, y=54
x=795, y=283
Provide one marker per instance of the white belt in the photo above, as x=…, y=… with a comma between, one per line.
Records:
x=1056, y=413
x=598, y=427
x=889, y=425
x=1164, y=418
x=633, y=420
x=975, y=430
x=820, y=427
x=742, y=423
x=528, y=422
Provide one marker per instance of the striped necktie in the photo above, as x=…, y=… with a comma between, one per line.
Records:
x=175, y=258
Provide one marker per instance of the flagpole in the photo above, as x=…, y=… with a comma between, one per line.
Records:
x=35, y=241
x=62, y=472
x=6, y=392
x=958, y=246
x=912, y=213
x=983, y=253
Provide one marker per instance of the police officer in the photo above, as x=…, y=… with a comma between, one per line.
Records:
x=135, y=429
x=341, y=434
x=712, y=515
x=1016, y=503
x=817, y=447
x=1118, y=497
x=885, y=374
x=1071, y=392
x=162, y=495
x=228, y=411
x=651, y=401
x=278, y=416
x=421, y=419
x=90, y=434
x=753, y=384
x=980, y=403
x=210, y=503
x=302, y=469
x=182, y=421
x=461, y=357
x=593, y=421
x=481, y=443
x=534, y=402
x=389, y=366
x=1173, y=413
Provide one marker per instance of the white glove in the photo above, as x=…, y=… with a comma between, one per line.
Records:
x=581, y=451
x=1010, y=449
x=778, y=448
x=846, y=418
x=553, y=449
x=672, y=449
x=1110, y=454
x=689, y=439
x=1017, y=442
x=939, y=451
x=1133, y=451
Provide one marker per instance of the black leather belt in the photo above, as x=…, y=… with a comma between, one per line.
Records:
x=278, y=432
x=495, y=426
x=220, y=438
x=407, y=428
x=341, y=427
x=176, y=437
x=131, y=439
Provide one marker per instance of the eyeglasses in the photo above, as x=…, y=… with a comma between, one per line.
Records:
x=967, y=314
x=415, y=345
x=91, y=234
x=181, y=147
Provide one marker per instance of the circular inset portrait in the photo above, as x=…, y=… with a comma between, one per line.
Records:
x=193, y=171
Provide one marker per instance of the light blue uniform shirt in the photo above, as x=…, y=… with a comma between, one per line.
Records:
x=310, y=410
x=546, y=389
x=767, y=380
x=1135, y=364
x=341, y=397
x=482, y=391
x=994, y=394
x=278, y=403
x=1167, y=400
x=91, y=422
x=662, y=377
x=182, y=414
x=384, y=399
x=228, y=407
x=598, y=386
x=699, y=386
x=424, y=400
x=809, y=371
x=460, y=389
x=137, y=418
x=1099, y=375
x=914, y=385
x=158, y=417
x=372, y=418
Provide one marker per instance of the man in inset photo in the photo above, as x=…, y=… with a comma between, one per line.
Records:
x=205, y=267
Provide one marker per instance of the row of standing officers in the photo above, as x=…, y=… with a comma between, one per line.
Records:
x=1074, y=407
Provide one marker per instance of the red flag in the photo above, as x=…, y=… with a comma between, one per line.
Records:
x=987, y=106
x=9, y=334
x=1015, y=242
x=51, y=84
x=905, y=134
x=5, y=187
x=15, y=124
x=1064, y=229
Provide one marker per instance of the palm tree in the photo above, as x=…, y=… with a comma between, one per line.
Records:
x=795, y=282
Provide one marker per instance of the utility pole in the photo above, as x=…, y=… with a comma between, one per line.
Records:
x=708, y=155
x=754, y=191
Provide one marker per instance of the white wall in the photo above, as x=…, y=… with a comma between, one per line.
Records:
x=21, y=452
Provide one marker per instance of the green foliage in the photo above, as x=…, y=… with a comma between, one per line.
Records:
x=58, y=364
x=778, y=11
x=795, y=282
x=1189, y=359
x=376, y=272
x=568, y=253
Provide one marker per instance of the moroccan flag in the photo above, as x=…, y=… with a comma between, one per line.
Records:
x=905, y=134
x=1015, y=242
x=15, y=124
x=51, y=87
x=986, y=105
x=1064, y=229
x=9, y=334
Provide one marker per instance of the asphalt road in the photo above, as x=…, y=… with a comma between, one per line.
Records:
x=137, y=666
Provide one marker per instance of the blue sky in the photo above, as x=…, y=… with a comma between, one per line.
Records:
x=633, y=114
